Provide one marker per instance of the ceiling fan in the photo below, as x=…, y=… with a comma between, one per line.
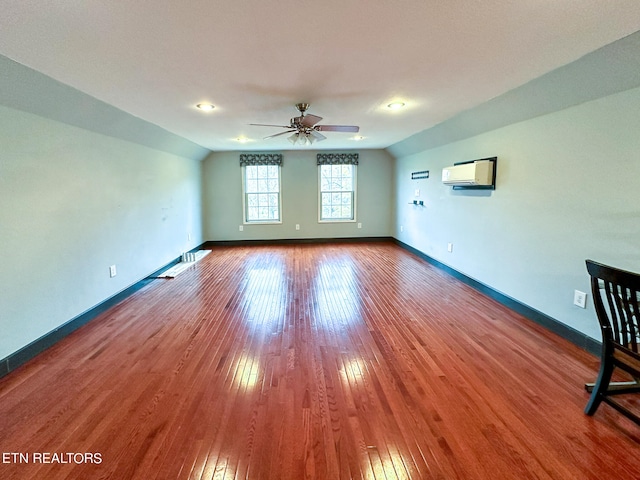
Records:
x=304, y=129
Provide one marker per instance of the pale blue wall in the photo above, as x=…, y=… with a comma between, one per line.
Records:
x=568, y=188
x=74, y=201
x=299, y=188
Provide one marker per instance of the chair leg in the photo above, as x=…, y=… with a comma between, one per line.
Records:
x=600, y=387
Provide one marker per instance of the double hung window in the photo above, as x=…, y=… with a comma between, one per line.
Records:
x=337, y=189
x=261, y=185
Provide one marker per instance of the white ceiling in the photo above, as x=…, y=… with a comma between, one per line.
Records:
x=349, y=58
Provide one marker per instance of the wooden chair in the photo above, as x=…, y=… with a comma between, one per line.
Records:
x=617, y=301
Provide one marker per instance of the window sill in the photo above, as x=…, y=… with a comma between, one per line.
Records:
x=338, y=220
x=259, y=222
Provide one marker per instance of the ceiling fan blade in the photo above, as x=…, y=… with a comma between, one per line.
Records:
x=337, y=128
x=267, y=125
x=310, y=120
x=278, y=134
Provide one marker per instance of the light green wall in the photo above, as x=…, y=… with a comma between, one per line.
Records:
x=568, y=188
x=72, y=203
x=299, y=183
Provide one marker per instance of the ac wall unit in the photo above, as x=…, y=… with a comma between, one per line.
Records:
x=478, y=173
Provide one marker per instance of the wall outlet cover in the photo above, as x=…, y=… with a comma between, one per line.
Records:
x=580, y=299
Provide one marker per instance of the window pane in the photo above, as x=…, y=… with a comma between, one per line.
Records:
x=337, y=192
x=262, y=187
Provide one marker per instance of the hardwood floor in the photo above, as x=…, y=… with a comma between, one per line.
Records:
x=334, y=361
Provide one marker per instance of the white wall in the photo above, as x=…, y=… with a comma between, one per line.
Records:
x=299, y=188
x=72, y=203
x=568, y=188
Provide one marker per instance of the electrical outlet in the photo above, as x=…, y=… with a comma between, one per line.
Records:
x=579, y=299
x=188, y=237
x=449, y=247
x=401, y=229
x=241, y=228
x=112, y=271
x=359, y=225
x=297, y=226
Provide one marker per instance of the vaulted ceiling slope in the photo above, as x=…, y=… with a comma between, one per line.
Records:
x=255, y=60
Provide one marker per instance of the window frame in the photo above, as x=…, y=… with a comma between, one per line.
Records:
x=354, y=196
x=245, y=202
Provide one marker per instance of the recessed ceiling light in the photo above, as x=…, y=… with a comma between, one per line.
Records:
x=242, y=139
x=395, y=105
x=205, y=106
x=357, y=138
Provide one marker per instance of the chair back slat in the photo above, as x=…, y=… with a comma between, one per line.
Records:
x=630, y=301
x=616, y=295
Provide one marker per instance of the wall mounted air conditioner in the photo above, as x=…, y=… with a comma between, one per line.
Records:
x=478, y=173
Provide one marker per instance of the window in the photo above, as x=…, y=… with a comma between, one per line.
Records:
x=337, y=192
x=262, y=193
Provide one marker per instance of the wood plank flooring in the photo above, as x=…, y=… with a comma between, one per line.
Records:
x=339, y=361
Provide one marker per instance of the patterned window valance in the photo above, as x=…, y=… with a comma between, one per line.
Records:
x=337, y=159
x=260, y=159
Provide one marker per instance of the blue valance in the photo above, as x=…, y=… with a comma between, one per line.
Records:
x=260, y=159
x=337, y=159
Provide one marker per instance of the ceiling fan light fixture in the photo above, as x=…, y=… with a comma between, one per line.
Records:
x=293, y=138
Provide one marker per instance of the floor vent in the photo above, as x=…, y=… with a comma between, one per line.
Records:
x=189, y=259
